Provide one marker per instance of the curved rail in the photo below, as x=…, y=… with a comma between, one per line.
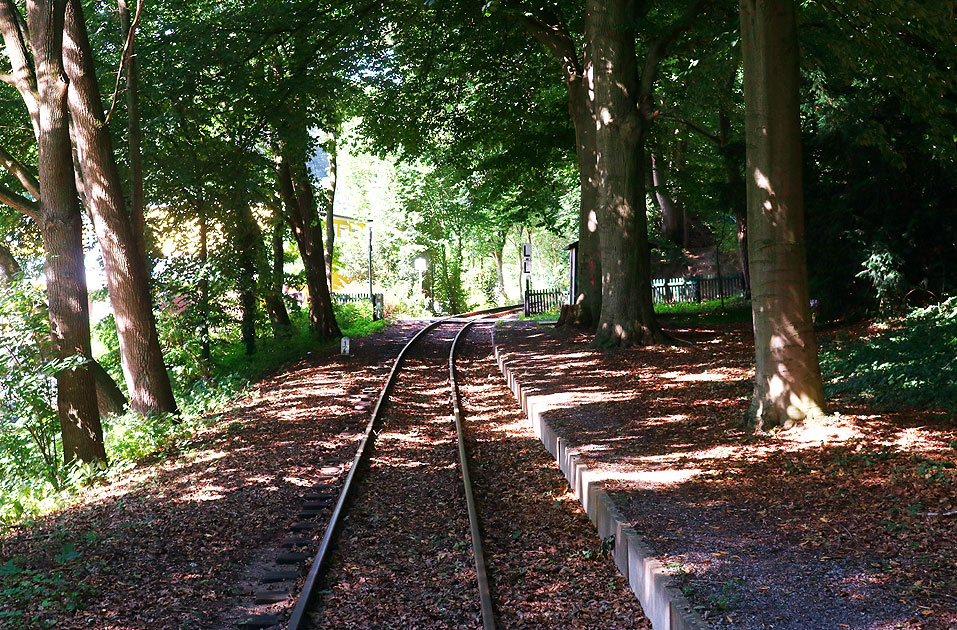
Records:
x=309, y=586
x=481, y=573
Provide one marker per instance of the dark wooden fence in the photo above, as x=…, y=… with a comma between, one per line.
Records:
x=377, y=313
x=542, y=300
x=695, y=288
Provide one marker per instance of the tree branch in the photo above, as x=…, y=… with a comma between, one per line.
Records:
x=124, y=59
x=12, y=27
x=21, y=203
x=713, y=137
x=549, y=30
x=657, y=52
x=23, y=174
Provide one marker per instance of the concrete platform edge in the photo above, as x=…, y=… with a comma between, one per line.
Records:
x=664, y=605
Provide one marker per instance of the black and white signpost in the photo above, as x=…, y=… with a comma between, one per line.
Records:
x=527, y=270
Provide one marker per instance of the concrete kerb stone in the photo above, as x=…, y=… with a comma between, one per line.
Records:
x=665, y=606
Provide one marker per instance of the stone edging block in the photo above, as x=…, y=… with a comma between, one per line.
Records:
x=665, y=606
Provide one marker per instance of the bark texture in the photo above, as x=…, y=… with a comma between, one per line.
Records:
x=627, y=313
x=9, y=267
x=672, y=213
x=279, y=315
x=248, y=249
x=61, y=229
x=735, y=193
x=787, y=382
x=142, y=358
x=552, y=33
x=23, y=72
x=330, y=204
x=205, y=349
x=134, y=140
x=300, y=204
x=109, y=398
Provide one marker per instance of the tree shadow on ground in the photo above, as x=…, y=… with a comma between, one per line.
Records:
x=835, y=523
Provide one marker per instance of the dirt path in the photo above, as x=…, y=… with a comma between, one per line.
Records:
x=168, y=545
x=834, y=526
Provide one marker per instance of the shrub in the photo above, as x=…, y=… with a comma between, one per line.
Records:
x=911, y=362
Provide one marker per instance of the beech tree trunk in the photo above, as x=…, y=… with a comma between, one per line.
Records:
x=673, y=225
x=141, y=356
x=589, y=296
x=300, y=203
x=23, y=72
x=330, y=203
x=248, y=246
x=61, y=230
x=109, y=398
x=9, y=267
x=627, y=313
x=549, y=30
x=278, y=314
x=134, y=141
x=735, y=195
x=205, y=349
x=787, y=382
x=498, y=254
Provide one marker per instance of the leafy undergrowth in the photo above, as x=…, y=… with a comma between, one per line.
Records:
x=33, y=482
x=907, y=362
x=165, y=544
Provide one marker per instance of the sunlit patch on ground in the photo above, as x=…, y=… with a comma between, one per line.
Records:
x=851, y=500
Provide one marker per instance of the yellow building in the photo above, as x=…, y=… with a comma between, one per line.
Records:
x=346, y=228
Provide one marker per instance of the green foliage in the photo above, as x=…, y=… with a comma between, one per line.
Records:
x=30, y=465
x=355, y=319
x=51, y=591
x=910, y=362
x=547, y=316
x=735, y=310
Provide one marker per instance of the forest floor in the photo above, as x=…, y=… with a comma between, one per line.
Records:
x=845, y=523
x=179, y=541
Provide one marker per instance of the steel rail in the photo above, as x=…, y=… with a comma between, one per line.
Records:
x=481, y=573
x=299, y=612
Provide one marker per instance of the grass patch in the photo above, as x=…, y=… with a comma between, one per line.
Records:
x=547, y=316
x=909, y=362
x=734, y=310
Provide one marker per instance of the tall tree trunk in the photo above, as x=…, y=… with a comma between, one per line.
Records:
x=547, y=27
x=137, y=196
x=282, y=325
x=23, y=73
x=248, y=243
x=498, y=253
x=147, y=380
x=247, y=301
x=787, y=381
x=330, y=204
x=673, y=225
x=735, y=195
x=627, y=313
x=109, y=398
x=61, y=230
x=300, y=203
x=588, y=298
x=205, y=349
x=9, y=267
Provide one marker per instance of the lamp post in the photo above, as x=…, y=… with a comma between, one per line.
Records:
x=371, y=294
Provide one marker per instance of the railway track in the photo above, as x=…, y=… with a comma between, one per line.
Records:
x=431, y=454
